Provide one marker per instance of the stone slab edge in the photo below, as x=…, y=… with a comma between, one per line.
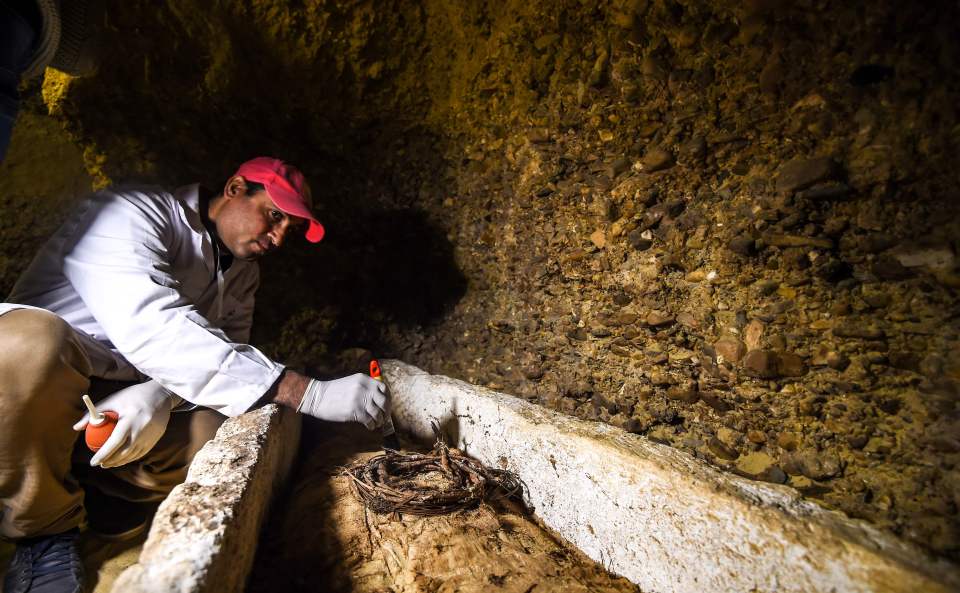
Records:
x=656, y=515
x=204, y=535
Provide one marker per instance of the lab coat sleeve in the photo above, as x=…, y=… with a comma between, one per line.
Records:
x=117, y=260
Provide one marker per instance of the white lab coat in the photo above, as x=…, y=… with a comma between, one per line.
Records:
x=133, y=272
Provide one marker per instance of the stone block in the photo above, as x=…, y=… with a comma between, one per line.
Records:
x=204, y=536
x=663, y=519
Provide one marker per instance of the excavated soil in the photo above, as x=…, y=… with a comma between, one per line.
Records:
x=729, y=226
x=321, y=536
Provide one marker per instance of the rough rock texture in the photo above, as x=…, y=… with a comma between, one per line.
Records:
x=656, y=515
x=204, y=535
x=43, y=174
x=729, y=226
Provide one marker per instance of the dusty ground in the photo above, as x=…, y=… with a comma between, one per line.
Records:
x=728, y=226
x=322, y=537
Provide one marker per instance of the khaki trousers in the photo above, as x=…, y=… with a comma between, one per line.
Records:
x=43, y=374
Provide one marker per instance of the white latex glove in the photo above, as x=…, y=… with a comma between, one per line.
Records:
x=143, y=410
x=357, y=398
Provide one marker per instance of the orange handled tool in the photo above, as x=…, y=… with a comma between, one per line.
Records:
x=99, y=427
x=375, y=370
x=390, y=440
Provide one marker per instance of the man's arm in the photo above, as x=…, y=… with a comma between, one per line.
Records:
x=364, y=402
x=289, y=389
x=357, y=398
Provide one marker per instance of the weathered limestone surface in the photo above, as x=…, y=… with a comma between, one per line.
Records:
x=656, y=515
x=204, y=535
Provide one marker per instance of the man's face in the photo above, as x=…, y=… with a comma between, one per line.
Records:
x=251, y=226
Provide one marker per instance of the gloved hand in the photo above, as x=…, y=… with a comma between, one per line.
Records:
x=357, y=398
x=144, y=410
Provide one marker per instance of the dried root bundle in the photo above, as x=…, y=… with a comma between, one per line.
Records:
x=437, y=483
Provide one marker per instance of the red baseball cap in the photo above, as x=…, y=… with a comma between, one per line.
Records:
x=286, y=187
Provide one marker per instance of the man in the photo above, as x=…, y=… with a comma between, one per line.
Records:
x=142, y=284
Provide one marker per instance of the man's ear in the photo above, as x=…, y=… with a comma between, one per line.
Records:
x=235, y=186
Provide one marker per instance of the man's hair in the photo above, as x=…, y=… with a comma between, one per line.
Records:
x=253, y=187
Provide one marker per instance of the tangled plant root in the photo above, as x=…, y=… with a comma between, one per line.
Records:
x=437, y=483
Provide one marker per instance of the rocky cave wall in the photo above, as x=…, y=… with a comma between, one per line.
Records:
x=731, y=227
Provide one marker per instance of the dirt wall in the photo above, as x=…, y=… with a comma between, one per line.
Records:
x=731, y=227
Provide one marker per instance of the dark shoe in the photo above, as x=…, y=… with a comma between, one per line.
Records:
x=116, y=519
x=46, y=564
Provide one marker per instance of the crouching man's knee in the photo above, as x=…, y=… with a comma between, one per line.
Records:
x=40, y=354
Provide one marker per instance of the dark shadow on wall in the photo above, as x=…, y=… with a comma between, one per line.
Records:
x=388, y=272
x=400, y=267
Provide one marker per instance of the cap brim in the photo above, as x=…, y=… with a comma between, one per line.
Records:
x=292, y=206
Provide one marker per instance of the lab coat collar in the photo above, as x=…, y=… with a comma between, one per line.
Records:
x=189, y=198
